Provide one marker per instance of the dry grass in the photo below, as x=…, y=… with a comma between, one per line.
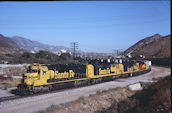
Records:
x=14, y=71
x=92, y=103
x=154, y=99
x=8, y=82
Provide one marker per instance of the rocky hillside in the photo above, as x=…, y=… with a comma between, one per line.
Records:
x=35, y=46
x=155, y=46
x=7, y=46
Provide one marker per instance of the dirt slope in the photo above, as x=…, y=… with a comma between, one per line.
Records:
x=7, y=46
x=153, y=99
x=155, y=46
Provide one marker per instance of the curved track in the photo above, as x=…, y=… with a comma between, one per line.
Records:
x=16, y=96
x=34, y=103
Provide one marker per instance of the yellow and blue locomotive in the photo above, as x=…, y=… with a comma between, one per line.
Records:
x=40, y=78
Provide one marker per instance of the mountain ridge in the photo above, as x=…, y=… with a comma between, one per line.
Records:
x=36, y=46
x=7, y=46
x=155, y=46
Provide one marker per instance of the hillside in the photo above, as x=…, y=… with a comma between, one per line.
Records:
x=35, y=46
x=155, y=46
x=7, y=46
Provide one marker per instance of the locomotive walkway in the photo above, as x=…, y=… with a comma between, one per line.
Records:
x=40, y=102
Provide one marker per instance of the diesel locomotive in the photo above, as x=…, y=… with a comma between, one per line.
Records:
x=41, y=78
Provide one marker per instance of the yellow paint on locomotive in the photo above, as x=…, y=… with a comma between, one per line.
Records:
x=89, y=71
x=117, y=68
x=144, y=66
x=50, y=74
x=65, y=74
x=130, y=69
x=104, y=71
x=136, y=67
x=38, y=75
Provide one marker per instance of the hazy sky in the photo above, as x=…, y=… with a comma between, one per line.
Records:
x=98, y=26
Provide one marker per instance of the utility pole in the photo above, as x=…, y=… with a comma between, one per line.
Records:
x=114, y=53
x=118, y=52
x=74, y=46
x=121, y=52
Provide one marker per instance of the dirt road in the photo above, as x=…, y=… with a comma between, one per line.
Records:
x=36, y=103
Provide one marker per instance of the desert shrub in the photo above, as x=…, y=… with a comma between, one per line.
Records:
x=43, y=57
x=9, y=55
x=81, y=98
x=153, y=99
x=27, y=55
x=51, y=108
x=98, y=92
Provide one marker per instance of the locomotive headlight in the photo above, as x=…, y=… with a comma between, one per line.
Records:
x=28, y=78
x=28, y=81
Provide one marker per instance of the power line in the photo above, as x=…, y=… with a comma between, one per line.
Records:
x=74, y=46
x=118, y=52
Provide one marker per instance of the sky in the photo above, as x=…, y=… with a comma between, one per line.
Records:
x=98, y=26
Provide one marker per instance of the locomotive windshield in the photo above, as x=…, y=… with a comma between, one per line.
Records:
x=32, y=71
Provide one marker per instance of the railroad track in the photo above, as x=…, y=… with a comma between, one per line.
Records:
x=8, y=98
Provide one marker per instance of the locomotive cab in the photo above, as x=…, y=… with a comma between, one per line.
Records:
x=35, y=75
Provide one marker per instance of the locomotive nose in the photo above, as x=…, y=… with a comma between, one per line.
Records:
x=22, y=89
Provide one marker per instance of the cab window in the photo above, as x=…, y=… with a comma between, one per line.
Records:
x=32, y=71
x=44, y=72
x=38, y=71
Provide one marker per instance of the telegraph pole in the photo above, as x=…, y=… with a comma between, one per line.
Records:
x=118, y=52
x=74, y=46
x=121, y=52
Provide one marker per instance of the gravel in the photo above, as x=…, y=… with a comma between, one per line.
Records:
x=5, y=93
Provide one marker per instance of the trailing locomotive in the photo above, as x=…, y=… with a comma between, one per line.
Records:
x=40, y=78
